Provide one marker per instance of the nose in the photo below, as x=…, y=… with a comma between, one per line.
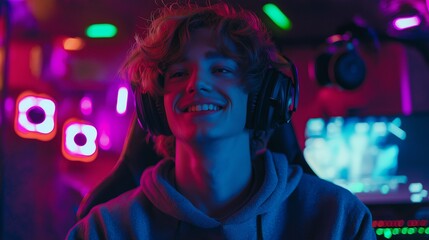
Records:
x=199, y=81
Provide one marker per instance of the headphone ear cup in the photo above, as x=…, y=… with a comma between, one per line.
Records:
x=272, y=105
x=321, y=66
x=151, y=114
x=340, y=65
x=348, y=70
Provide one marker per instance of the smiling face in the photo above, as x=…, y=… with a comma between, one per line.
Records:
x=204, y=97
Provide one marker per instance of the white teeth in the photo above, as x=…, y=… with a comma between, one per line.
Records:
x=203, y=107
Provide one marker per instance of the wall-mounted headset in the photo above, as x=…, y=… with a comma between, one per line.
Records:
x=340, y=63
x=272, y=105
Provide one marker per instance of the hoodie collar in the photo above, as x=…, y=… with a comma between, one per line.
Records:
x=275, y=180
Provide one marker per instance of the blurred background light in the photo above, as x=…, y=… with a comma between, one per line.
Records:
x=35, y=64
x=101, y=30
x=122, y=99
x=73, y=44
x=402, y=23
x=79, y=141
x=86, y=105
x=105, y=142
x=35, y=116
x=277, y=16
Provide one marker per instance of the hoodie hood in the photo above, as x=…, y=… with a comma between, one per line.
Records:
x=275, y=179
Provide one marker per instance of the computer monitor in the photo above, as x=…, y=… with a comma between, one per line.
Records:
x=381, y=159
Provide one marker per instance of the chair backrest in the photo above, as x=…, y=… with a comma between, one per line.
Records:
x=126, y=174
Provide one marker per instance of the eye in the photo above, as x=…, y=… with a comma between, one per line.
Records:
x=177, y=74
x=222, y=70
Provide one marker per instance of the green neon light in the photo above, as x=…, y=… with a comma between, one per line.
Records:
x=390, y=232
x=101, y=30
x=277, y=16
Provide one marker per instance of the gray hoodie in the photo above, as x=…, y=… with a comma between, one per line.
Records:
x=285, y=204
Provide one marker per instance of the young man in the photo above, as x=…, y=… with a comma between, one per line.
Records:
x=201, y=69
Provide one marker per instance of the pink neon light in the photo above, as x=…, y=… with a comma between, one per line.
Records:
x=105, y=142
x=90, y=133
x=9, y=105
x=23, y=123
x=47, y=105
x=86, y=106
x=406, y=22
x=427, y=5
x=58, y=64
x=407, y=107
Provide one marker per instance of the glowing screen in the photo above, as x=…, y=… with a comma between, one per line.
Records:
x=379, y=158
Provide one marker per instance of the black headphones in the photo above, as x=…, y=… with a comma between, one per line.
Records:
x=340, y=63
x=272, y=105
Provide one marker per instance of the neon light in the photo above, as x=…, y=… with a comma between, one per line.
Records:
x=380, y=128
x=58, y=63
x=406, y=100
x=357, y=187
x=35, y=116
x=398, y=132
x=36, y=58
x=105, y=142
x=46, y=127
x=2, y=57
x=315, y=126
x=397, y=121
x=73, y=44
x=26, y=103
x=427, y=5
x=9, y=104
x=277, y=16
x=25, y=124
x=415, y=231
x=121, y=102
x=403, y=23
x=415, y=187
x=416, y=198
x=48, y=106
x=74, y=150
x=388, y=233
x=101, y=30
x=71, y=132
x=86, y=106
x=388, y=223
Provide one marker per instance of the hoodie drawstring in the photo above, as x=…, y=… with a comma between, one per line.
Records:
x=259, y=227
x=177, y=232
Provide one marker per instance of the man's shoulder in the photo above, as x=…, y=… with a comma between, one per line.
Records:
x=326, y=192
x=320, y=185
x=122, y=204
x=113, y=218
